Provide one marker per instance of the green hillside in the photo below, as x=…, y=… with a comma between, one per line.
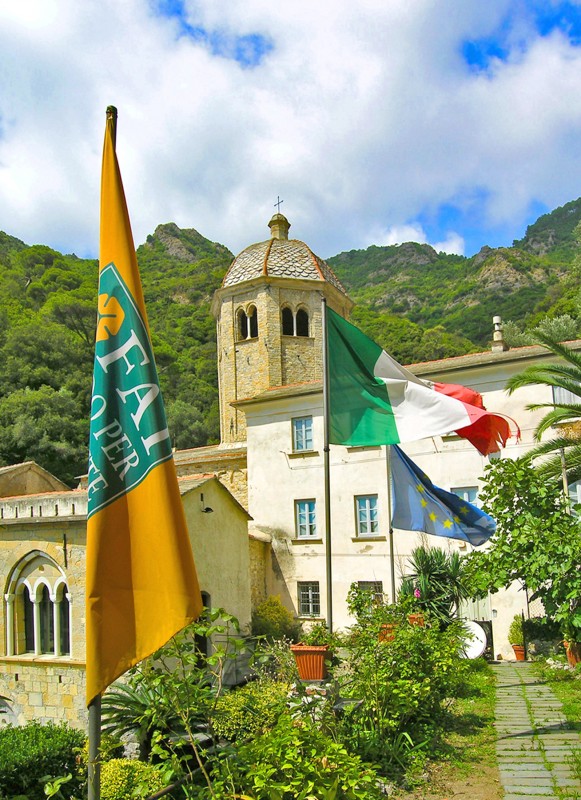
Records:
x=523, y=283
x=48, y=307
x=418, y=304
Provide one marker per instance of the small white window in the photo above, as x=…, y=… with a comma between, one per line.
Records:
x=565, y=397
x=302, y=433
x=467, y=493
x=309, y=597
x=574, y=491
x=375, y=587
x=366, y=512
x=306, y=519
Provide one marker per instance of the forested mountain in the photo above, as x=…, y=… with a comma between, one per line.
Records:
x=417, y=303
x=534, y=278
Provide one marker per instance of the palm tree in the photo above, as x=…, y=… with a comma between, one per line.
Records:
x=435, y=579
x=565, y=446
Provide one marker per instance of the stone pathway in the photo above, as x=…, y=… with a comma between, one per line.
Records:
x=534, y=745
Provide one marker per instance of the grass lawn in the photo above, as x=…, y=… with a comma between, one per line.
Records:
x=464, y=762
x=567, y=687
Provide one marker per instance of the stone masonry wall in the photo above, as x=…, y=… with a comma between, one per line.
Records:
x=44, y=691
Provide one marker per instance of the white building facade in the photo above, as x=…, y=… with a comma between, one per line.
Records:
x=281, y=422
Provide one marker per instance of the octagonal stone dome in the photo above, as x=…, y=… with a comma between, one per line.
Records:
x=280, y=257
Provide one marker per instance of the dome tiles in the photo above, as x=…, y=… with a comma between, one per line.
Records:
x=280, y=257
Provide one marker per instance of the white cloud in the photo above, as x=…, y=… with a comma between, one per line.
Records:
x=360, y=115
x=398, y=234
x=453, y=243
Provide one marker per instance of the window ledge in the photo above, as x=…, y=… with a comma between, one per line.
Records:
x=369, y=539
x=42, y=660
x=303, y=453
x=306, y=540
x=360, y=447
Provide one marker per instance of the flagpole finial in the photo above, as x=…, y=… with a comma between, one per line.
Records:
x=112, y=117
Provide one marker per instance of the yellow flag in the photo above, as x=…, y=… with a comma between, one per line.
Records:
x=142, y=586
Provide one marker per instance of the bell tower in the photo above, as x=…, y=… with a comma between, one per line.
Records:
x=268, y=315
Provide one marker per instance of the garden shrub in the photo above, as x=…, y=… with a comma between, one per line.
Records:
x=400, y=689
x=542, y=628
x=110, y=747
x=250, y=710
x=515, y=631
x=272, y=620
x=122, y=778
x=274, y=661
x=543, y=636
x=293, y=761
x=32, y=752
x=171, y=695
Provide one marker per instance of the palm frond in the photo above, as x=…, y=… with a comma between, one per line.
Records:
x=559, y=415
x=558, y=375
x=561, y=454
x=566, y=375
x=560, y=349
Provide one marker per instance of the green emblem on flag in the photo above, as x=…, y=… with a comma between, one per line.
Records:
x=128, y=433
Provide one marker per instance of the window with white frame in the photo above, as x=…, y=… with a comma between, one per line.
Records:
x=565, y=397
x=306, y=518
x=38, y=608
x=467, y=493
x=574, y=491
x=366, y=515
x=302, y=433
x=375, y=587
x=309, y=598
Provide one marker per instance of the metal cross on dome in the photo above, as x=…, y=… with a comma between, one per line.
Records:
x=277, y=204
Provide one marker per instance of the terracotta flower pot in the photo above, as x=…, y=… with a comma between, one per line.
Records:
x=416, y=619
x=386, y=632
x=311, y=661
x=573, y=650
x=519, y=652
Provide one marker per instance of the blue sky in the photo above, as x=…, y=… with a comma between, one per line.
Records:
x=447, y=122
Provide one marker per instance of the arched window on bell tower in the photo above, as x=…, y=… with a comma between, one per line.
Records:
x=302, y=320
x=247, y=323
x=294, y=323
x=288, y=322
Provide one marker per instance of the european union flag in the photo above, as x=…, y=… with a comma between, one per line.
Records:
x=418, y=505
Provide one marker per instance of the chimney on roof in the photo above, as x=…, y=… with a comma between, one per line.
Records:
x=498, y=343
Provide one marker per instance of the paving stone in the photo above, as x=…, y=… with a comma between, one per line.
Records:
x=510, y=780
x=524, y=769
x=511, y=796
x=533, y=791
x=528, y=742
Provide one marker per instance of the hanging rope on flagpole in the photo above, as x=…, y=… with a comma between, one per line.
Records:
x=389, y=516
x=328, y=554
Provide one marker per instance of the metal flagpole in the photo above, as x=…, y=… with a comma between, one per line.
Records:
x=94, y=765
x=391, y=547
x=328, y=555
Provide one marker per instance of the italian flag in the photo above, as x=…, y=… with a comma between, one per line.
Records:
x=373, y=400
